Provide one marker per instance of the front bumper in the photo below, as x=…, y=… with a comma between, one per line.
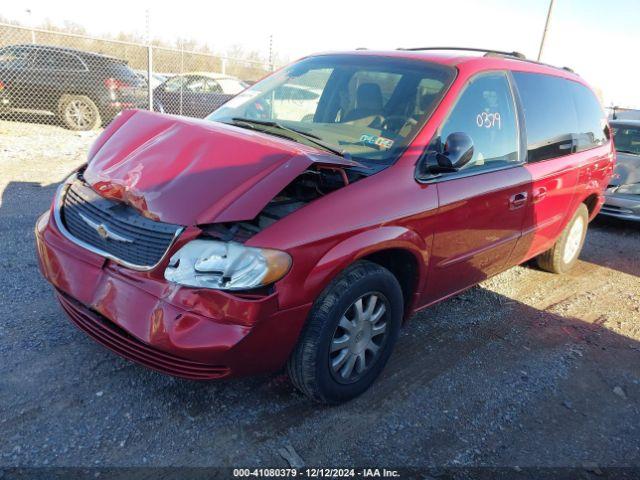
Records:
x=185, y=332
x=626, y=207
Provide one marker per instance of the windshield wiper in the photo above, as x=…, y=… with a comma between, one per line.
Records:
x=309, y=137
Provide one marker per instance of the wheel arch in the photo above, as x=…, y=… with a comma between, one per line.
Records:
x=592, y=202
x=402, y=251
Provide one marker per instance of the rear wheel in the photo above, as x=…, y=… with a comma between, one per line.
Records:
x=565, y=252
x=78, y=112
x=349, y=335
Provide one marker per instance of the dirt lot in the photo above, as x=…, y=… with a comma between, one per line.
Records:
x=529, y=369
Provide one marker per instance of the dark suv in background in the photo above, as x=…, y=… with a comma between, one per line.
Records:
x=85, y=90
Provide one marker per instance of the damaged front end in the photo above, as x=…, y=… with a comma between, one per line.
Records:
x=312, y=184
x=153, y=176
x=218, y=259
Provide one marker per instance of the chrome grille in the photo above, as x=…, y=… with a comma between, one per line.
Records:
x=114, y=229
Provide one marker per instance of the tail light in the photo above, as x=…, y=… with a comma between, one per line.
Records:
x=1, y=85
x=115, y=84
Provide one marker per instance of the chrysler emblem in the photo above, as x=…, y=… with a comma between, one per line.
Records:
x=104, y=231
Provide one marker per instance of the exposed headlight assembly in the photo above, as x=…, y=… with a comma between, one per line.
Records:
x=226, y=265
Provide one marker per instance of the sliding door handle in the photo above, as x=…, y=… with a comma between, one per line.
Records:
x=539, y=194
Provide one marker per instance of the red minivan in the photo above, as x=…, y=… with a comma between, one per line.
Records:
x=302, y=222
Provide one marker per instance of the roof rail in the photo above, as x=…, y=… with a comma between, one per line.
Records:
x=487, y=51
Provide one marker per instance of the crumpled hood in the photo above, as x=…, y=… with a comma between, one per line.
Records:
x=627, y=170
x=190, y=172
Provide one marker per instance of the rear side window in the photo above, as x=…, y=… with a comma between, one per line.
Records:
x=550, y=115
x=592, y=121
x=176, y=83
x=57, y=61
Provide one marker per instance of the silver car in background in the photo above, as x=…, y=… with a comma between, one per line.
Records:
x=623, y=194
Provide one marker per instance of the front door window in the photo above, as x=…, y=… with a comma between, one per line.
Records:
x=486, y=112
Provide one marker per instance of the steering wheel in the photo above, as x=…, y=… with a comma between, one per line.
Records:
x=395, y=123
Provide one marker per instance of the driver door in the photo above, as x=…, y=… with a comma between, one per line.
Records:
x=482, y=206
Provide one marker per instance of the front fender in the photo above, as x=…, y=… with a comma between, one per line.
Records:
x=363, y=244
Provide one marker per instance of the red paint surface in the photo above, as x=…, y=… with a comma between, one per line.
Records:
x=190, y=172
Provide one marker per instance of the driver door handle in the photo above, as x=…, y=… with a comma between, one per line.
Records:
x=518, y=200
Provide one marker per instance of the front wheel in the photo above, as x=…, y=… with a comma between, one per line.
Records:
x=565, y=252
x=349, y=336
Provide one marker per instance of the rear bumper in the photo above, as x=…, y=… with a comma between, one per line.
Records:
x=621, y=206
x=184, y=332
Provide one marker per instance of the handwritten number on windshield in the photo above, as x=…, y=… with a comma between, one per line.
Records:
x=489, y=120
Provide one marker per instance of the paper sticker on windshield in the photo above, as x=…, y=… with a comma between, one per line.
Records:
x=381, y=142
x=241, y=98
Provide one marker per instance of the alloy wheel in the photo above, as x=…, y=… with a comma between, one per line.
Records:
x=79, y=113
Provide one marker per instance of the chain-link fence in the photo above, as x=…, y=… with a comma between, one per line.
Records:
x=83, y=82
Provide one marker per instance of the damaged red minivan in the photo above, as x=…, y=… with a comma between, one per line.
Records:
x=301, y=223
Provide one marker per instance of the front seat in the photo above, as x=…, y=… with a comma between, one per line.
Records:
x=368, y=107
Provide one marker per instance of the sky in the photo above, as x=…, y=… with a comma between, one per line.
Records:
x=593, y=37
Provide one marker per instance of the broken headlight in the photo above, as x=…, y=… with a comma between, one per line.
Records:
x=226, y=265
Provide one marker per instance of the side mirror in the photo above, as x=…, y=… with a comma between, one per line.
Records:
x=457, y=152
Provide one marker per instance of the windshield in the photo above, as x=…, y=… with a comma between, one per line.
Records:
x=368, y=108
x=626, y=138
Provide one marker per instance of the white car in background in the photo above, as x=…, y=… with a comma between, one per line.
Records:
x=295, y=102
x=156, y=78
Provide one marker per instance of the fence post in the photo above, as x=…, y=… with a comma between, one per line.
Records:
x=149, y=58
x=149, y=75
x=224, y=66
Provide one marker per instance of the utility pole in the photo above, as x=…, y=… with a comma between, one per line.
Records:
x=33, y=32
x=546, y=27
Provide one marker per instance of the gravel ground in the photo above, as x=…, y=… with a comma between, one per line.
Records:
x=528, y=369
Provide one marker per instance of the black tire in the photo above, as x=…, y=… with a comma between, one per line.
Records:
x=555, y=259
x=78, y=112
x=309, y=365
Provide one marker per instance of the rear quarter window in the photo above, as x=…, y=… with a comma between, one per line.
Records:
x=120, y=71
x=592, y=121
